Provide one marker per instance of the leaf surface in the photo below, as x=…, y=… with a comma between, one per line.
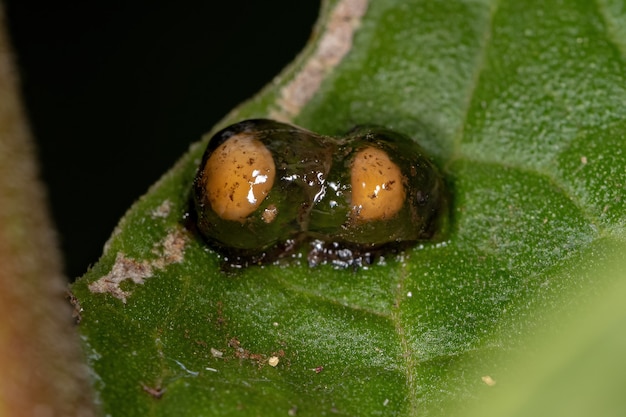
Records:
x=522, y=104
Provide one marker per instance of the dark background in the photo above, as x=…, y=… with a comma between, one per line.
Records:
x=113, y=85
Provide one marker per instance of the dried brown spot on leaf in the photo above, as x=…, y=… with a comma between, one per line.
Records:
x=168, y=251
x=163, y=210
x=333, y=46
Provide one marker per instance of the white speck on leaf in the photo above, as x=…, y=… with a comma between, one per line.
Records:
x=488, y=380
x=273, y=361
x=216, y=353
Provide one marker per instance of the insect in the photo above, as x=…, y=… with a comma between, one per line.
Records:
x=266, y=189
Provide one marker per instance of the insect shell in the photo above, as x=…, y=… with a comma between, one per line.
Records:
x=265, y=189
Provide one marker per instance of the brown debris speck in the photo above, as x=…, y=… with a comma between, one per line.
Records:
x=260, y=358
x=220, y=320
x=77, y=309
x=156, y=393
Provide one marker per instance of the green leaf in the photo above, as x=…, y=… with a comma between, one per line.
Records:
x=522, y=104
x=575, y=371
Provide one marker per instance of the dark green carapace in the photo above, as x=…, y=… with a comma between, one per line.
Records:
x=266, y=189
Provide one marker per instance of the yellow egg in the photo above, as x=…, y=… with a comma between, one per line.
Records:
x=377, y=188
x=238, y=176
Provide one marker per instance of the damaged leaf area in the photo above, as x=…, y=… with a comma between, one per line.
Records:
x=168, y=251
x=523, y=107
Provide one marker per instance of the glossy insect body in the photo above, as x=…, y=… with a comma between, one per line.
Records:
x=264, y=188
